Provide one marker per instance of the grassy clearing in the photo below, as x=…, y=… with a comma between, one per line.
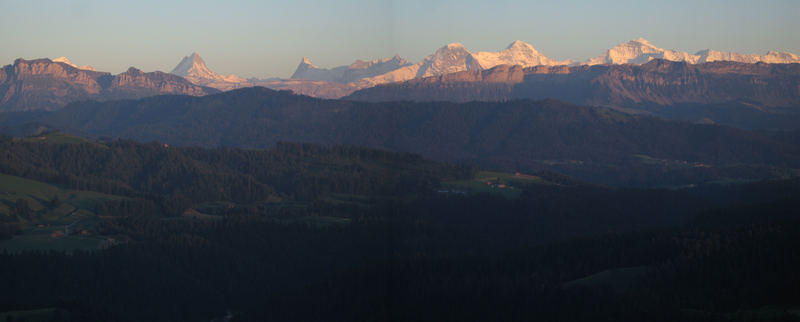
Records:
x=74, y=205
x=60, y=138
x=501, y=183
x=670, y=164
x=76, y=210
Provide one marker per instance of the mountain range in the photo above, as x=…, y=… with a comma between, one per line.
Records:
x=309, y=79
x=591, y=143
x=50, y=84
x=739, y=94
x=641, y=51
x=44, y=84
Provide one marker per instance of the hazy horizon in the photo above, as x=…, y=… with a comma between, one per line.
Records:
x=268, y=39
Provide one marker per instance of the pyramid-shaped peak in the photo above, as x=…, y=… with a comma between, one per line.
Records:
x=305, y=62
x=188, y=64
x=519, y=44
x=194, y=57
x=642, y=41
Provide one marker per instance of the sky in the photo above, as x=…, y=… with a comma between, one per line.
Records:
x=268, y=38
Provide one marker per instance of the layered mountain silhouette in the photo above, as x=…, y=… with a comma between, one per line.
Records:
x=741, y=94
x=591, y=143
x=44, y=84
x=50, y=84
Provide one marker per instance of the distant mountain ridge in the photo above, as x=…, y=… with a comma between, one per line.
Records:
x=346, y=74
x=339, y=81
x=592, y=143
x=43, y=84
x=454, y=58
x=641, y=51
x=740, y=94
x=448, y=59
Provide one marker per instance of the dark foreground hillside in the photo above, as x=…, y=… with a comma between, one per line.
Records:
x=594, y=144
x=300, y=232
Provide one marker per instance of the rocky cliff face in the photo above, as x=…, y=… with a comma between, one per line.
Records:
x=724, y=92
x=42, y=84
x=658, y=82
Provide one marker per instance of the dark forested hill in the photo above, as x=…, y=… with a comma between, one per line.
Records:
x=194, y=234
x=738, y=94
x=287, y=170
x=592, y=143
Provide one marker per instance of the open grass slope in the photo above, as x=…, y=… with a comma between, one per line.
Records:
x=75, y=209
x=493, y=182
x=60, y=138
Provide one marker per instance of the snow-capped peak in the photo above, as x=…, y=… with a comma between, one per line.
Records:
x=638, y=51
x=64, y=60
x=517, y=53
x=642, y=41
x=455, y=45
x=520, y=45
x=451, y=58
x=194, y=69
x=641, y=51
x=356, y=71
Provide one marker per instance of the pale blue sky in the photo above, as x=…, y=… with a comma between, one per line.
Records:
x=268, y=38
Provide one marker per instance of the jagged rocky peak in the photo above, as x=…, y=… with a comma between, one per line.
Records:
x=307, y=62
x=364, y=64
x=194, y=69
x=451, y=58
x=188, y=63
x=307, y=70
x=356, y=71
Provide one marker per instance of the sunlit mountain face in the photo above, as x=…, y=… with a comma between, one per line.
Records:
x=418, y=164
